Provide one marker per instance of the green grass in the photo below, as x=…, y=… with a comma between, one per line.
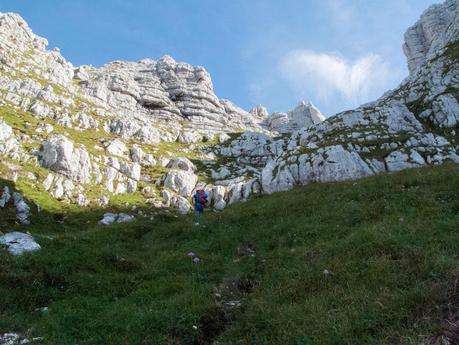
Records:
x=390, y=243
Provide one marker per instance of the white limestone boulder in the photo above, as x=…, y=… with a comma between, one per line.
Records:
x=398, y=160
x=181, y=182
x=275, y=178
x=117, y=147
x=182, y=163
x=181, y=204
x=19, y=243
x=60, y=155
x=189, y=137
x=22, y=209
x=219, y=193
x=6, y=196
x=108, y=218
x=123, y=218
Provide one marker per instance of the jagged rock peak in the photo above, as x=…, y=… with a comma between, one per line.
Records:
x=437, y=27
x=259, y=111
x=15, y=31
x=22, y=50
x=305, y=111
x=303, y=115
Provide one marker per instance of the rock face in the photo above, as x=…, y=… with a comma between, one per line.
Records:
x=19, y=243
x=160, y=92
x=437, y=28
x=156, y=127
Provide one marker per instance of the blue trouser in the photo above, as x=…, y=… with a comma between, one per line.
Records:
x=198, y=210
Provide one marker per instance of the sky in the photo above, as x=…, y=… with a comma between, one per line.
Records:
x=337, y=54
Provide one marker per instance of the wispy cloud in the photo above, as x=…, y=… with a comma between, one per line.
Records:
x=325, y=76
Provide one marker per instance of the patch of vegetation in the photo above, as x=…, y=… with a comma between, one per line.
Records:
x=363, y=262
x=418, y=106
x=453, y=91
x=306, y=150
x=452, y=51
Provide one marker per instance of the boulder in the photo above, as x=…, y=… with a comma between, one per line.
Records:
x=235, y=193
x=275, y=178
x=181, y=182
x=14, y=339
x=116, y=147
x=22, y=209
x=9, y=145
x=5, y=196
x=221, y=174
x=339, y=164
x=59, y=155
x=137, y=154
x=167, y=196
x=182, y=163
x=219, y=193
x=18, y=243
x=189, y=138
x=182, y=204
x=223, y=137
x=123, y=218
x=108, y=218
x=445, y=111
x=398, y=160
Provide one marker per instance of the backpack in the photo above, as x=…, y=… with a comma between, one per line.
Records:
x=202, y=198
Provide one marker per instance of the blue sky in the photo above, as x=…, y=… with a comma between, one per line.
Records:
x=335, y=53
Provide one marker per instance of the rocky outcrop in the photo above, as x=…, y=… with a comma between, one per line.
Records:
x=259, y=111
x=161, y=92
x=304, y=115
x=427, y=39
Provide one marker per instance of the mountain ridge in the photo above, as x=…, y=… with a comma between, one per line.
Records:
x=87, y=134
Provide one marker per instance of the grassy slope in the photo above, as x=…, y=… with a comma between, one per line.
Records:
x=390, y=242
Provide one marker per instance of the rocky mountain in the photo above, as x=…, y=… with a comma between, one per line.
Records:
x=413, y=125
x=155, y=130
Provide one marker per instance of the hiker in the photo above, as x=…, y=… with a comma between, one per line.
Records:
x=199, y=200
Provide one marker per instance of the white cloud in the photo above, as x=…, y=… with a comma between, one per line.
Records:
x=324, y=76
